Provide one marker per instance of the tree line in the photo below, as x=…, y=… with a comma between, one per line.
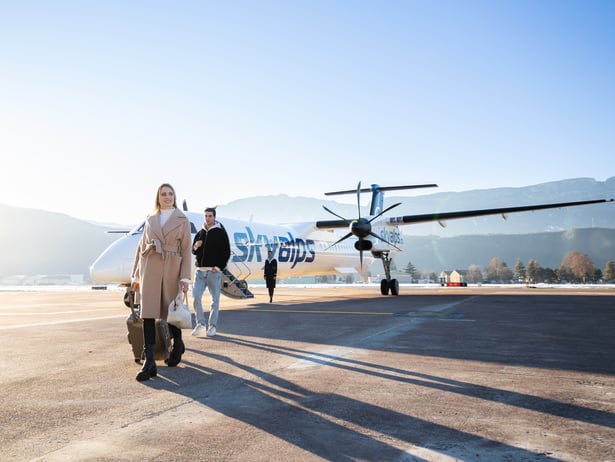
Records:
x=576, y=267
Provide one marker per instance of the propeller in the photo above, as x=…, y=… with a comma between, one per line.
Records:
x=361, y=228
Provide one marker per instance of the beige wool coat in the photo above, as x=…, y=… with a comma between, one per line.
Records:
x=162, y=259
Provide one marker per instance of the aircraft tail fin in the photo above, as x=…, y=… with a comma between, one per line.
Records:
x=377, y=191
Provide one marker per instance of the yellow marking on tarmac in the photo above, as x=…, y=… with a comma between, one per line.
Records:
x=319, y=311
x=442, y=316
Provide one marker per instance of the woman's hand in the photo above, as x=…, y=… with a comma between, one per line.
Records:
x=184, y=285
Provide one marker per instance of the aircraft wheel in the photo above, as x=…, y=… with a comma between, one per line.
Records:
x=384, y=287
x=394, y=287
x=242, y=284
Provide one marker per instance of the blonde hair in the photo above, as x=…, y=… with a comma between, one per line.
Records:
x=157, y=201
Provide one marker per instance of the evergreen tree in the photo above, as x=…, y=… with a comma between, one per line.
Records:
x=519, y=271
x=410, y=269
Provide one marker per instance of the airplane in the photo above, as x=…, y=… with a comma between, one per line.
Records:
x=305, y=248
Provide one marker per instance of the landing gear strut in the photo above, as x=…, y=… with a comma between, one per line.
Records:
x=388, y=283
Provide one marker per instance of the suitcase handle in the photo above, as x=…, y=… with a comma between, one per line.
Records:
x=132, y=295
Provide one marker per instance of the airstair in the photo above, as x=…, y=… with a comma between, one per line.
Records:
x=233, y=287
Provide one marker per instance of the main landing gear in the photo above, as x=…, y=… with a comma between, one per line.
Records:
x=388, y=284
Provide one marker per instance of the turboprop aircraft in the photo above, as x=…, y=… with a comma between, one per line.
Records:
x=307, y=248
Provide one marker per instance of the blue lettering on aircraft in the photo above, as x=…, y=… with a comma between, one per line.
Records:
x=393, y=235
x=289, y=249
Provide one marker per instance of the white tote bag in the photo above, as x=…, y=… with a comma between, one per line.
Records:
x=179, y=313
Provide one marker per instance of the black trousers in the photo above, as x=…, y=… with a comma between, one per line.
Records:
x=149, y=331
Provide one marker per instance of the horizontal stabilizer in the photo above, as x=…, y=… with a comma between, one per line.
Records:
x=381, y=188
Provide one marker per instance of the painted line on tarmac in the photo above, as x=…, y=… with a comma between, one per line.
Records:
x=53, y=313
x=318, y=311
x=406, y=314
x=55, y=323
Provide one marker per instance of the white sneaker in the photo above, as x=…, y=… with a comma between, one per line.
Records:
x=211, y=332
x=198, y=329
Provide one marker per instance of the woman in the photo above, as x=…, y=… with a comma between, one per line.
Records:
x=271, y=273
x=161, y=267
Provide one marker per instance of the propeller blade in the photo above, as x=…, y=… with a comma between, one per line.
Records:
x=333, y=213
x=384, y=211
x=361, y=259
x=359, y=198
x=371, y=233
x=339, y=240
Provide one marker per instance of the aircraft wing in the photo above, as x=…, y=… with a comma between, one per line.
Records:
x=443, y=216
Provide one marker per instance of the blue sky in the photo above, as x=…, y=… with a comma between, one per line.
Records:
x=102, y=101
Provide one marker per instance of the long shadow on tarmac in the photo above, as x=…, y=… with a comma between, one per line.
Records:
x=552, y=332
x=532, y=331
x=520, y=400
x=307, y=420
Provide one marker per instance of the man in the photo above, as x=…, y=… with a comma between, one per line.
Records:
x=271, y=273
x=212, y=249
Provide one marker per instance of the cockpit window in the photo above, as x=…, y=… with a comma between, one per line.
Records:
x=138, y=229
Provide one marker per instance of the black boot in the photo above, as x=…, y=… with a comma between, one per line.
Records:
x=178, y=347
x=149, y=369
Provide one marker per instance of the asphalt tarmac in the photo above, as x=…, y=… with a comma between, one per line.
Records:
x=341, y=374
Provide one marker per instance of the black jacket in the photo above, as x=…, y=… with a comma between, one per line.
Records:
x=271, y=269
x=216, y=248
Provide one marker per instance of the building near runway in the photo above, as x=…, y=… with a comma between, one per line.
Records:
x=455, y=279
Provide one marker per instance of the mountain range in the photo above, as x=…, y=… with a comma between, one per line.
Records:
x=283, y=208
x=40, y=242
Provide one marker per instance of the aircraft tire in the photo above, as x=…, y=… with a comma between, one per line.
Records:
x=394, y=287
x=242, y=283
x=384, y=287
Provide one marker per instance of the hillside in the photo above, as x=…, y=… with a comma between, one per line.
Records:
x=433, y=253
x=39, y=242
x=283, y=208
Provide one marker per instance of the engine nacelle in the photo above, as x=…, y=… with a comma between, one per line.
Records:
x=363, y=244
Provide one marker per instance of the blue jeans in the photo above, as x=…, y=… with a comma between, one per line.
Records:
x=213, y=282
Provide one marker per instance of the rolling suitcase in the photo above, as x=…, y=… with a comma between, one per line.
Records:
x=135, y=335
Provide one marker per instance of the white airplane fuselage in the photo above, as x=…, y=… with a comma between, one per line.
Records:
x=300, y=248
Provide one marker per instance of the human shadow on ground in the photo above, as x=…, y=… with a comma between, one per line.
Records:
x=329, y=425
